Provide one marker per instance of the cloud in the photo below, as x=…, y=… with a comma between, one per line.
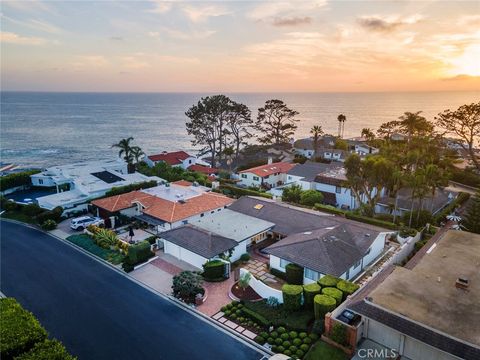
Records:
x=161, y=7
x=12, y=38
x=35, y=24
x=116, y=38
x=29, y=6
x=462, y=77
x=292, y=21
x=378, y=23
x=269, y=11
x=199, y=14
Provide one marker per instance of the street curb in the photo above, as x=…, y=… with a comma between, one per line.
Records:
x=171, y=299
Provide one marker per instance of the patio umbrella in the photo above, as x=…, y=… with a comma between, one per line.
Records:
x=453, y=217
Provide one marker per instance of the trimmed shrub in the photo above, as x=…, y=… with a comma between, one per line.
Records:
x=329, y=209
x=16, y=179
x=230, y=189
x=20, y=330
x=304, y=347
x=187, y=285
x=294, y=274
x=307, y=341
x=311, y=197
x=293, y=334
x=151, y=239
x=347, y=288
x=371, y=221
x=278, y=273
x=259, y=340
x=55, y=215
x=292, y=297
x=213, y=270
x=274, y=334
x=314, y=337
x=300, y=353
x=297, y=342
x=49, y=225
x=47, y=350
x=281, y=330
x=245, y=257
x=322, y=304
x=281, y=349
x=318, y=326
x=32, y=210
x=278, y=341
x=286, y=344
x=284, y=336
x=309, y=292
x=302, y=335
x=339, y=334
x=293, y=349
x=287, y=352
x=270, y=340
x=137, y=254
x=333, y=292
x=328, y=281
x=256, y=317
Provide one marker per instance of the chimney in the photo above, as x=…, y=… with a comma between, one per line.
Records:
x=270, y=160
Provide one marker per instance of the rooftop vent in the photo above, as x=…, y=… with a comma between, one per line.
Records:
x=307, y=232
x=367, y=235
x=258, y=206
x=462, y=283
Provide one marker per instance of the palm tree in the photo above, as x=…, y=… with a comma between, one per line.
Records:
x=368, y=134
x=397, y=177
x=137, y=153
x=316, y=131
x=125, y=151
x=435, y=178
x=341, y=124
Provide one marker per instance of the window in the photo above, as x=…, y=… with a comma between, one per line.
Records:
x=189, y=161
x=244, y=176
x=40, y=181
x=211, y=212
x=312, y=275
x=357, y=264
x=202, y=215
x=347, y=276
x=266, y=177
x=255, y=178
x=185, y=222
x=289, y=178
x=284, y=263
x=338, y=189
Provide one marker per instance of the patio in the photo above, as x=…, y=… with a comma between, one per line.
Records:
x=139, y=235
x=260, y=270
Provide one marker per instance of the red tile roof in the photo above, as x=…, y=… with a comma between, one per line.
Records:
x=182, y=183
x=203, y=169
x=171, y=158
x=269, y=169
x=123, y=201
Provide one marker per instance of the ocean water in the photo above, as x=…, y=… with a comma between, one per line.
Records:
x=44, y=129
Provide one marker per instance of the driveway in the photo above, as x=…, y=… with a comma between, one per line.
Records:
x=154, y=277
x=97, y=312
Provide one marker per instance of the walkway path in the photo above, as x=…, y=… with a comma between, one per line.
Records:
x=217, y=296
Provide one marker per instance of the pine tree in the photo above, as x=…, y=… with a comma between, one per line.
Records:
x=472, y=216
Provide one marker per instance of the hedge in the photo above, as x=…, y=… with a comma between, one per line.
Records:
x=309, y=292
x=55, y=215
x=16, y=179
x=292, y=297
x=278, y=273
x=323, y=304
x=460, y=199
x=333, y=292
x=328, y=281
x=329, y=209
x=20, y=331
x=294, y=274
x=137, y=254
x=241, y=192
x=347, y=288
x=255, y=316
x=213, y=270
x=132, y=187
x=47, y=350
x=371, y=221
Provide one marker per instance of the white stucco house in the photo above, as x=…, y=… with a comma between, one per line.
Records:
x=78, y=183
x=266, y=176
x=175, y=159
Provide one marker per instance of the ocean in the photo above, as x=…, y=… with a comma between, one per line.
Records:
x=43, y=129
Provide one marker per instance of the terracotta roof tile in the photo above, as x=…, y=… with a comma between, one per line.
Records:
x=171, y=158
x=182, y=183
x=203, y=169
x=269, y=169
x=123, y=201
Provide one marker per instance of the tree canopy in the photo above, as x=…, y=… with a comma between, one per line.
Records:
x=276, y=122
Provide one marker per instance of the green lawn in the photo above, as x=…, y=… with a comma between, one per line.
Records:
x=86, y=242
x=19, y=216
x=323, y=351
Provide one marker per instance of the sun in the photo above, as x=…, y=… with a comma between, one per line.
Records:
x=468, y=63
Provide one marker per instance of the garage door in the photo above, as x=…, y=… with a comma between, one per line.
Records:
x=417, y=350
x=185, y=255
x=383, y=335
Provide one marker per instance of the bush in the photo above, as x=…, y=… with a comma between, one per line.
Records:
x=32, y=210
x=339, y=334
x=187, y=285
x=278, y=341
x=286, y=344
x=20, y=331
x=293, y=334
x=318, y=326
x=302, y=335
x=274, y=334
x=278, y=273
x=55, y=215
x=16, y=179
x=281, y=330
x=406, y=232
x=10, y=205
x=245, y=257
x=213, y=270
x=300, y=353
x=49, y=225
x=294, y=274
x=259, y=340
x=256, y=317
x=371, y=221
x=309, y=292
x=308, y=340
x=243, y=192
x=151, y=239
x=323, y=304
x=47, y=350
x=328, y=281
x=137, y=254
x=347, y=288
x=292, y=193
x=329, y=209
x=293, y=349
x=296, y=341
x=304, y=347
x=311, y=197
x=281, y=349
x=419, y=219
x=105, y=238
x=292, y=297
x=333, y=292
x=459, y=200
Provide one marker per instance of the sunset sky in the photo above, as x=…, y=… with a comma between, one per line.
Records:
x=240, y=46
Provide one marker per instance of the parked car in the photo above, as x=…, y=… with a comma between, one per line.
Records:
x=82, y=222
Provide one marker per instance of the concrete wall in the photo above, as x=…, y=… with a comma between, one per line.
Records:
x=262, y=289
x=239, y=250
x=247, y=179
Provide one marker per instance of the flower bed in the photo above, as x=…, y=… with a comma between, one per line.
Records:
x=248, y=294
x=236, y=312
x=87, y=243
x=291, y=343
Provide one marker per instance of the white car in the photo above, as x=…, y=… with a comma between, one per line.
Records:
x=82, y=222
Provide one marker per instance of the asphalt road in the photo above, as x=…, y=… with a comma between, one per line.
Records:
x=98, y=313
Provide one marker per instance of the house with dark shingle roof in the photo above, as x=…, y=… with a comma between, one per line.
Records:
x=320, y=243
x=420, y=310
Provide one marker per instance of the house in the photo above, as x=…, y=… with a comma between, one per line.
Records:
x=266, y=176
x=195, y=245
x=245, y=230
x=341, y=250
x=429, y=309
x=175, y=159
x=78, y=183
x=163, y=207
x=305, y=147
x=436, y=203
x=299, y=231
x=332, y=154
x=209, y=171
